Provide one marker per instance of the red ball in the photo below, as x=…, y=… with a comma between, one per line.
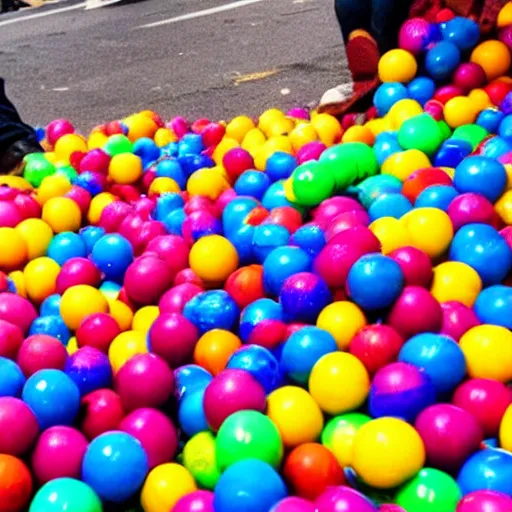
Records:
x=236, y=161
x=175, y=299
x=469, y=76
x=187, y=275
x=56, y=129
x=447, y=92
x=285, y=216
x=199, y=125
x=199, y=204
x=415, y=184
x=41, y=352
x=18, y=425
x=376, y=346
x=98, y=331
x=17, y=310
x=213, y=133
x=497, y=90
x=457, y=319
x=77, y=271
x=145, y=380
x=310, y=468
x=95, y=160
x=11, y=338
x=434, y=109
x=113, y=215
x=28, y=206
x=101, y=411
x=487, y=400
x=245, y=285
x=415, y=264
x=172, y=249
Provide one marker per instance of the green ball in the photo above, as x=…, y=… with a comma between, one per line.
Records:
x=248, y=435
x=68, y=171
x=446, y=131
x=430, y=490
x=312, y=183
x=471, y=133
x=37, y=168
x=421, y=132
x=65, y=495
x=373, y=187
x=199, y=457
x=117, y=144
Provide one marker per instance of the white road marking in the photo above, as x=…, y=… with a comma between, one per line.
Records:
x=204, y=12
x=43, y=14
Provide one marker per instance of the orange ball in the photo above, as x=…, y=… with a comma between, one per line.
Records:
x=493, y=56
x=214, y=349
x=15, y=484
x=16, y=254
x=62, y=214
x=359, y=134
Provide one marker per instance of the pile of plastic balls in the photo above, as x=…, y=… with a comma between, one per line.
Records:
x=283, y=314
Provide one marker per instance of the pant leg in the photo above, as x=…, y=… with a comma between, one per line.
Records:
x=352, y=15
x=386, y=18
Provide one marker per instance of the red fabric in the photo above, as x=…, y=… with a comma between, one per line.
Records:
x=363, y=57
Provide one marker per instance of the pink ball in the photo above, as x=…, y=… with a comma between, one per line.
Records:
x=8, y=194
x=95, y=160
x=334, y=262
x=457, y=319
x=145, y=380
x=469, y=76
x=18, y=425
x=155, y=432
x=310, y=151
x=376, y=346
x=11, y=338
x=58, y=453
x=360, y=236
x=100, y=412
x=345, y=221
x=415, y=311
x=113, y=215
x=330, y=208
x=450, y=435
x=10, y=215
x=414, y=35
x=231, y=391
x=146, y=279
x=415, y=264
x=98, y=331
x=187, y=275
x=435, y=109
x=224, y=199
x=236, y=161
x=172, y=249
x=293, y=504
x=197, y=501
x=77, y=271
x=485, y=501
x=179, y=125
x=175, y=299
x=17, y=310
x=506, y=233
x=144, y=207
x=56, y=129
x=505, y=36
x=390, y=507
x=81, y=197
x=298, y=113
x=343, y=499
x=471, y=208
x=173, y=337
x=28, y=206
x=41, y=352
x=487, y=400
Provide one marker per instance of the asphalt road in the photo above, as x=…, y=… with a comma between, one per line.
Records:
x=91, y=66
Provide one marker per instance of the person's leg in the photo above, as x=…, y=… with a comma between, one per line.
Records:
x=352, y=15
x=386, y=19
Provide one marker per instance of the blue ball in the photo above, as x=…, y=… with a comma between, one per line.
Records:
x=258, y=314
x=260, y=363
x=190, y=144
x=303, y=349
x=171, y=168
x=374, y=186
x=191, y=163
x=463, y=32
x=146, y=149
x=490, y=119
x=275, y=196
x=436, y=196
x=250, y=486
x=235, y=213
x=53, y=397
x=242, y=239
x=421, y=89
x=171, y=150
x=375, y=281
x=505, y=128
x=496, y=147
x=252, y=183
x=309, y=238
x=89, y=369
x=452, y=152
x=90, y=235
x=442, y=60
x=266, y=238
x=480, y=246
x=487, y=469
x=167, y=203
x=439, y=356
x=387, y=94
x=280, y=166
x=115, y=466
x=191, y=414
x=12, y=379
x=89, y=181
x=50, y=306
x=481, y=175
x=214, y=309
x=386, y=144
x=173, y=222
x=112, y=254
x=65, y=246
x=494, y=306
x=52, y=325
x=389, y=205
x=189, y=378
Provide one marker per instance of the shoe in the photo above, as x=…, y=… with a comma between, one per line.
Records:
x=12, y=161
x=96, y=4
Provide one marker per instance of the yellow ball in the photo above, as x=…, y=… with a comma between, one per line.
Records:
x=37, y=235
x=98, y=204
x=122, y=314
x=343, y=320
x=387, y=452
x=80, y=301
x=339, y=383
x=222, y=148
x=295, y=414
x=282, y=126
x=126, y=345
x=144, y=318
x=41, y=278
x=456, y=281
x=72, y=346
x=430, y=230
x=506, y=430
x=55, y=185
x=125, y=168
x=494, y=57
x=164, y=136
x=214, y=349
x=359, y=134
x=328, y=128
x=69, y=144
x=403, y=110
x=238, y=128
x=505, y=16
x=140, y=126
x=459, y=111
x=164, y=486
x=163, y=185
x=508, y=169
x=253, y=139
x=18, y=279
x=17, y=252
x=199, y=458
x=207, y=182
x=62, y=214
x=391, y=233
x=213, y=258
x=97, y=140
x=268, y=118
x=480, y=100
x=488, y=352
x=402, y=165
x=15, y=182
x=289, y=194
x=302, y=134
x=397, y=66
x=503, y=205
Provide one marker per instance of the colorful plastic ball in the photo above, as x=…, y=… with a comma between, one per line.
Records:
x=280, y=166
x=484, y=500
x=90, y=235
x=457, y=319
x=415, y=264
x=310, y=238
x=262, y=322
x=197, y=501
x=40, y=278
x=397, y=66
x=214, y=349
x=430, y=490
x=471, y=208
x=112, y=254
x=343, y=498
x=387, y=95
x=293, y=504
x=199, y=457
x=420, y=132
x=251, y=485
x=456, y=281
x=191, y=413
x=375, y=281
x=52, y=326
x=415, y=35
x=101, y=411
x=311, y=184
x=493, y=304
x=11, y=378
x=17, y=418
x=15, y=484
x=421, y=89
x=389, y=205
x=469, y=76
x=464, y=32
x=493, y=56
x=37, y=235
x=266, y=238
x=18, y=311
x=56, y=129
x=62, y=214
x=487, y=469
x=39, y=352
x=77, y=271
x=90, y=369
x=252, y=183
x=98, y=331
x=190, y=378
x=442, y=59
x=245, y=285
x=387, y=452
x=79, y=302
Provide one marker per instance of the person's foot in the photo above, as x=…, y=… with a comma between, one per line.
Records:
x=12, y=161
x=362, y=55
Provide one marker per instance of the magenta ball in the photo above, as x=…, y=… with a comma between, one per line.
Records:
x=236, y=161
x=173, y=337
x=172, y=249
x=198, y=224
x=415, y=264
x=197, y=501
x=95, y=160
x=41, y=352
x=174, y=300
x=155, y=432
x=90, y=369
x=457, y=319
x=293, y=504
x=28, y=206
x=414, y=35
x=145, y=380
x=343, y=499
x=81, y=197
x=18, y=425
x=77, y=271
x=359, y=236
x=390, y=507
x=113, y=215
x=310, y=151
x=298, y=113
x=505, y=36
x=98, y=331
x=17, y=310
x=334, y=262
x=11, y=338
x=332, y=207
x=506, y=233
x=450, y=435
x=10, y=215
x=56, y=129
x=231, y=391
x=469, y=76
x=58, y=453
x=415, y=311
x=100, y=412
x=345, y=221
x=471, y=208
x=485, y=501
